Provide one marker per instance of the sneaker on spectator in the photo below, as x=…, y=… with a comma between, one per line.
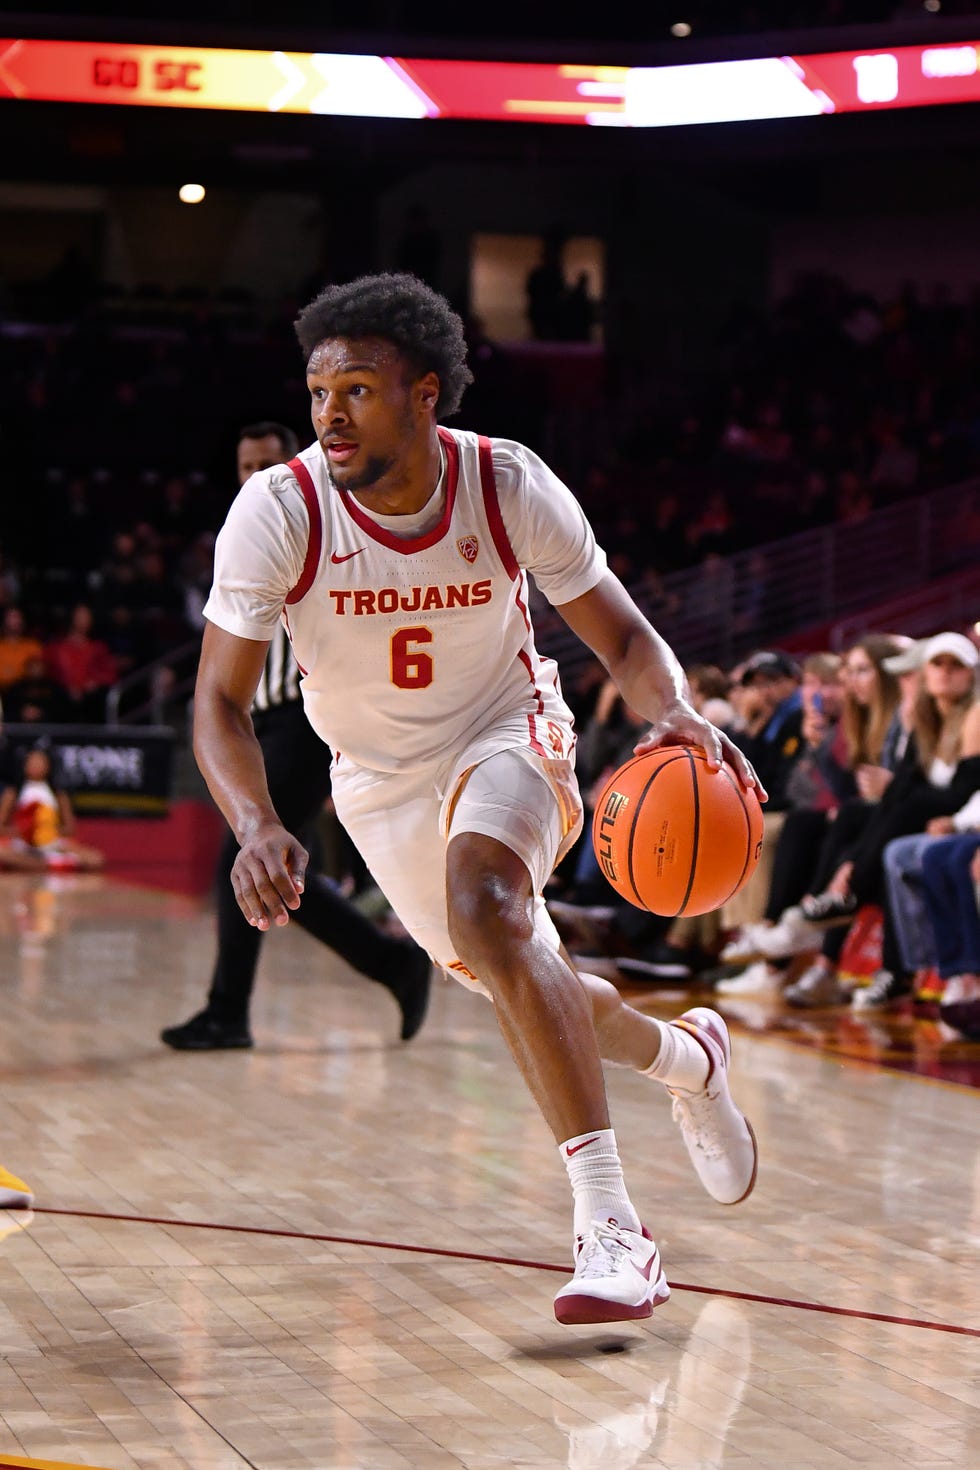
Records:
x=792, y=935
x=928, y=987
x=653, y=969
x=818, y=986
x=882, y=989
x=618, y=1277
x=759, y=979
x=828, y=908
x=745, y=946
x=960, y=1006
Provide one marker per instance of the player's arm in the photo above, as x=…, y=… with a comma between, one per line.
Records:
x=268, y=872
x=648, y=674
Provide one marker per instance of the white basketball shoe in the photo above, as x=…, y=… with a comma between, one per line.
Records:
x=618, y=1277
x=718, y=1138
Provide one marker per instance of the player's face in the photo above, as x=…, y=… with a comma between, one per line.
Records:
x=370, y=414
x=258, y=454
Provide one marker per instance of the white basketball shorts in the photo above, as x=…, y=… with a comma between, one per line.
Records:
x=402, y=823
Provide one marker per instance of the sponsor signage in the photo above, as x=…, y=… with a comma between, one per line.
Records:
x=106, y=770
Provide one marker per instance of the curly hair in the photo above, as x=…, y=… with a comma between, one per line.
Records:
x=404, y=311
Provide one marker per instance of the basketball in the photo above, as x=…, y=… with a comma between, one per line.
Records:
x=674, y=837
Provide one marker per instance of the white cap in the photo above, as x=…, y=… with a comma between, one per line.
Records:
x=957, y=645
x=910, y=658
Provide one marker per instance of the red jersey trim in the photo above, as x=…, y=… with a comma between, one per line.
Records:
x=289, y=635
x=532, y=729
x=419, y=543
x=315, y=543
x=505, y=551
x=492, y=507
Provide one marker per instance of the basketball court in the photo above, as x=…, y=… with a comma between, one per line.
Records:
x=339, y=1252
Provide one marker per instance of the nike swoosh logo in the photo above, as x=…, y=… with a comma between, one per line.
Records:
x=569, y=1151
x=347, y=555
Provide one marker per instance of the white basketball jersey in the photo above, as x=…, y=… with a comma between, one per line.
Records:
x=410, y=648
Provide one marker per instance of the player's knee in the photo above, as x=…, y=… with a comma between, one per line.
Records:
x=604, y=998
x=487, y=919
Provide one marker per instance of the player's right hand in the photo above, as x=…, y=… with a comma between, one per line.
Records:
x=268, y=875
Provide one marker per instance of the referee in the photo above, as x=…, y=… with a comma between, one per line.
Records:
x=297, y=767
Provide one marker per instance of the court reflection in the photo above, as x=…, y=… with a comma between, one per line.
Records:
x=681, y=1419
x=909, y=1036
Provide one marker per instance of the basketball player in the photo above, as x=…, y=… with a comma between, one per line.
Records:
x=397, y=554
x=297, y=767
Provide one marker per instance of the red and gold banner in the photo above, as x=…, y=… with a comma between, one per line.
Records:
x=401, y=87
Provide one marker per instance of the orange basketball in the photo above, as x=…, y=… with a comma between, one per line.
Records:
x=674, y=837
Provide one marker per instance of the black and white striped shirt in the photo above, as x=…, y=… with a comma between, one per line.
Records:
x=279, y=683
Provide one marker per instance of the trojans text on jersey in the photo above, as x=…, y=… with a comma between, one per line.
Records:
x=365, y=601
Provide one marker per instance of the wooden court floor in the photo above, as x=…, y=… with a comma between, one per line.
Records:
x=336, y=1251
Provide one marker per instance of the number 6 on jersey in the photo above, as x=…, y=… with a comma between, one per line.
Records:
x=410, y=668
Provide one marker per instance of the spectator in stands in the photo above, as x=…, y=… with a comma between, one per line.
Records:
x=932, y=902
x=177, y=517
x=578, y=311
x=951, y=879
x=83, y=666
x=160, y=604
x=195, y=575
x=668, y=533
x=17, y=648
x=118, y=574
x=545, y=289
x=128, y=640
x=848, y=738
x=771, y=714
x=710, y=599
x=713, y=527
x=710, y=687
x=75, y=536
x=35, y=698
x=935, y=778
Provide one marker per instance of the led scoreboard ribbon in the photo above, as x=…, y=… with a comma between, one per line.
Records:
x=385, y=86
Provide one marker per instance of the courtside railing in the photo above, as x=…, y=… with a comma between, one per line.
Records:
x=917, y=563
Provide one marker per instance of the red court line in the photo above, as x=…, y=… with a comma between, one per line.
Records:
x=428, y=1250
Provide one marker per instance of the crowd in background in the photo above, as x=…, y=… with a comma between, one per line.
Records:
x=867, y=891
x=818, y=412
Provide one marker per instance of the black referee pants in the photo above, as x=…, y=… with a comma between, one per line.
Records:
x=297, y=767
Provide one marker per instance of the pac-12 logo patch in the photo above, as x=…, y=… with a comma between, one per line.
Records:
x=469, y=548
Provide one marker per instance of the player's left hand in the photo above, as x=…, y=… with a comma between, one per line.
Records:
x=680, y=724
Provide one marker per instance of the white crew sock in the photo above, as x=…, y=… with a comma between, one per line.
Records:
x=596, y=1176
x=682, y=1062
